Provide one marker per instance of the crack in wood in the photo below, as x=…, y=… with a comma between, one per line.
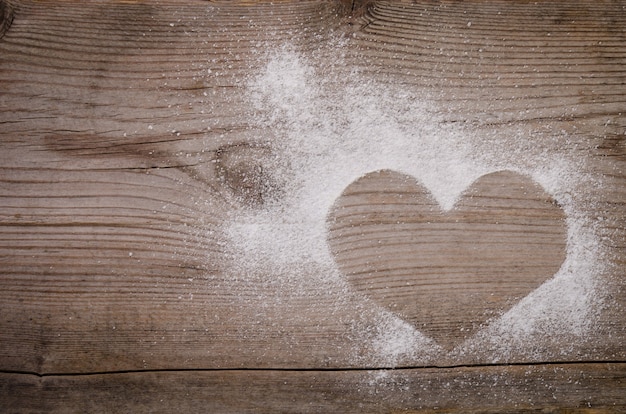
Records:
x=320, y=370
x=584, y=388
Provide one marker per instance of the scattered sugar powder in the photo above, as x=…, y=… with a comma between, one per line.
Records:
x=329, y=129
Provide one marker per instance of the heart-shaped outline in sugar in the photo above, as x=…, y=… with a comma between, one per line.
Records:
x=447, y=272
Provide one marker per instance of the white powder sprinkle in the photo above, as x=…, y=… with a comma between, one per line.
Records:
x=330, y=131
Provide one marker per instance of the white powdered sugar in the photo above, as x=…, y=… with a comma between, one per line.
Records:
x=328, y=129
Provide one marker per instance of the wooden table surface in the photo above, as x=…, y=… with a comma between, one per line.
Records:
x=312, y=206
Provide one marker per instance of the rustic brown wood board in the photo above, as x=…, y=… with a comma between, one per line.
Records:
x=312, y=206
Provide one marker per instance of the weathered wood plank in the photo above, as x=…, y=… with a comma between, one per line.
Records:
x=142, y=149
x=575, y=388
x=106, y=156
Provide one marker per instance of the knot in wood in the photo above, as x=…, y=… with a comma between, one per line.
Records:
x=7, y=14
x=355, y=8
x=244, y=171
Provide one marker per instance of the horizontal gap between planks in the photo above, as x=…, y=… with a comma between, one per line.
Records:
x=339, y=369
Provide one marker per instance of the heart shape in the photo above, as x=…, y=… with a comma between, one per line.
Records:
x=447, y=272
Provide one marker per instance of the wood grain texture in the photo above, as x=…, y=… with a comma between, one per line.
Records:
x=128, y=141
x=577, y=388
